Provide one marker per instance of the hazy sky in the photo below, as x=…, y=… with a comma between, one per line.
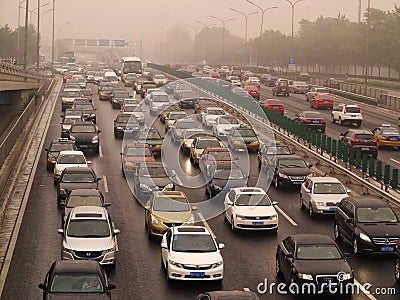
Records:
x=150, y=20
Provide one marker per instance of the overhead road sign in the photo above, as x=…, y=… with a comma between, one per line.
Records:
x=119, y=43
x=104, y=43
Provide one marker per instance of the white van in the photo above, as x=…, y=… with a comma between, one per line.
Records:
x=110, y=76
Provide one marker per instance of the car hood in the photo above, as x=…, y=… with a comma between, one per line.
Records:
x=68, y=99
x=295, y=171
x=69, y=296
x=380, y=229
x=335, y=198
x=78, y=185
x=197, y=258
x=89, y=244
x=61, y=167
x=178, y=217
x=231, y=183
x=158, y=104
x=83, y=136
x=136, y=159
x=254, y=211
x=155, y=181
x=322, y=267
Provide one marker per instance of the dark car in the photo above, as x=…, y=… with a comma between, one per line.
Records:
x=83, y=197
x=243, y=138
x=228, y=295
x=118, y=96
x=313, y=260
x=187, y=99
x=150, y=177
x=105, y=92
x=281, y=88
x=202, y=104
x=75, y=178
x=55, y=147
x=223, y=177
x=267, y=153
x=145, y=86
x=151, y=137
x=311, y=119
x=87, y=93
x=125, y=124
x=290, y=170
x=71, y=117
x=85, y=135
x=88, y=111
x=367, y=223
x=76, y=279
x=362, y=140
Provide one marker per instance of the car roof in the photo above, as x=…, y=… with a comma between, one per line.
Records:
x=170, y=194
x=191, y=230
x=88, y=212
x=71, y=152
x=291, y=156
x=76, y=266
x=78, y=170
x=325, y=179
x=249, y=190
x=69, y=90
x=85, y=192
x=367, y=201
x=217, y=149
x=312, y=239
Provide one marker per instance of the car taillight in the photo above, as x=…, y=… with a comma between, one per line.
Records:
x=269, y=106
x=297, y=87
x=323, y=121
x=360, y=110
x=345, y=111
x=355, y=140
x=375, y=141
x=307, y=121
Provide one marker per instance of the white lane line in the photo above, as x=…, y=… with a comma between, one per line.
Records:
x=100, y=151
x=203, y=220
x=105, y=183
x=291, y=221
x=366, y=292
x=396, y=161
x=178, y=180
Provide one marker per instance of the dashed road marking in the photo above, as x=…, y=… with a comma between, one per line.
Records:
x=366, y=292
x=291, y=221
x=105, y=183
x=396, y=161
x=100, y=151
x=203, y=220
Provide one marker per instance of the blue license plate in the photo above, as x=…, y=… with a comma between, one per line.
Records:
x=394, y=139
x=315, y=122
x=297, y=182
x=257, y=223
x=387, y=249
x=197, y=274
x=332, y=209
x=83, y=146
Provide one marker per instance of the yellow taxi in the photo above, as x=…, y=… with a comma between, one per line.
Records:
x=167, y=209
x=387, y=136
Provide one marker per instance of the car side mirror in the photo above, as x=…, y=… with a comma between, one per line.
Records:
x=230, y=203
x=289, y=255
x=42, y=286
x=164, y=245
x=350, y=221
x=348, y=191
x=346, y=255
x=116, y=231
x=221, y=246
x=107, y=204
x=60, y=231
x=98, y=131
x=194, y=208
x=274, y=202
x=111, y=286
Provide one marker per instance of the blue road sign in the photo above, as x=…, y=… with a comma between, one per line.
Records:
x=104, y=43
x=119, y=43
x=292, y=60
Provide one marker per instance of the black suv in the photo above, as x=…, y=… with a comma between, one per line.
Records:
x=85, y=135
x=369, y=224
x=55, y=147
x=125, y=123
x=290, y=170
x=362, y=140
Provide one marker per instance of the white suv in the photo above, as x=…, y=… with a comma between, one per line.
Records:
x=210, y=114
x=191, y=253
x=223, y=125
x=347, y=113
x=250, y=208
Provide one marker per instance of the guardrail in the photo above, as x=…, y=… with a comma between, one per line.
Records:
x=355, y=161
x=18, y=71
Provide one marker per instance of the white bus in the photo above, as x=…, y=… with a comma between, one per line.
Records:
x=131, y=65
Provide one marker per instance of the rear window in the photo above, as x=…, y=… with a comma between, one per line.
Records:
x=353, y=109
x=365, y=136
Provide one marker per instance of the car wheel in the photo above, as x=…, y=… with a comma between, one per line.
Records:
x=233, y=225
x=302, y=206
x=292, y=277
x=340, y=121
x=333, y=119
x=310, y=210
x=48, y=168
x=278, y=270
x=397, y=270
x=356, y=250
x=276, y=182
x=336, y=232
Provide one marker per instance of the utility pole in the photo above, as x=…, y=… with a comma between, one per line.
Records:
x=38, y=38
x=52, y=36
x=223, y=22
x=359, y=11
x=367, y=48
x=26, y=34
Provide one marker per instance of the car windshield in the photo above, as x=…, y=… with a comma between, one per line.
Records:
x=292, y=163
x=279, y=150
x=170, y=204
x=365, y=136
x=376, y=215
x=61, y=147
x=83, y=129
x=216, y=112
x=228, y=174
x=150, y=135
x=71, y=112
x=252, y=200
x=78, y=177
x=176, y=116
x=71, y=94
x=191, y=134
x=229, y=121
x=84, y=107
x=219, y=155
x=123, y=119
x=153, y=172
x=312, y=115
x=130, y=101
x=202, y=144
x=193, y=243
x=245, y=133
x=317, y=252
x=184, y=125
x=88, y=228
x=160, y=98
x=328, y=188
x=132, y=108
x=390, y=131
x=71, y=159
x=138, y=151
x=71, y=283
x=353, y=109
x=83, y=200
x=106, y=89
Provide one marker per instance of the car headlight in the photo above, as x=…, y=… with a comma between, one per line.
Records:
x=281, y=175
x=344, y=276
x=155, y=221
x=175, y=264
x=95, y=139
x=274, y=217
x=168, y=187
x=119, y=128
x=364, y=237
x=144, y=187
x=63, y=192
x=111, y=250
x=320, y=203
x=240, y=217
x=216, y=187
x=217, y=264
x=72, y=138
x=92, y=115
x=305, y=276
x=68, y=250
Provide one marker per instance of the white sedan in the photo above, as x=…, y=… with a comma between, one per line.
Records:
x=209, y=116
x=321, y=195
x=223, y=125
x=191, y=253
x=69, y=159
x=250, y=208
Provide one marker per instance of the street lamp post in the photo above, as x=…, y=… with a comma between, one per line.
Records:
x=293, y=4
x=245, y=31
x=223, y=34
x=52, y=36
x=26, y=34
x=367, y=47
x=261, y=26
x=195, y=36
x=19, y=22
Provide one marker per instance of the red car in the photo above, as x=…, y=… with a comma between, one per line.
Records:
x=66, y=77
x=274, y=104
x=322, y=101
x=215, y=75
x=253, y=91
x=134, y=154
x=215, y=155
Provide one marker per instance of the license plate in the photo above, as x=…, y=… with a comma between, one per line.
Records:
x=87, y=258
x=394, y=139
x=364, y=149
x=387, y=249
x=332, y=209
x=297, y=182
x=197, y=274
x=353, y=116
x=326, y=101
x=257, y=223
x=315, y=122
x=275, y=107
x=83, y=146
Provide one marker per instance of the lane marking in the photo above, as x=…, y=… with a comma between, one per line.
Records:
x=396, y=161
x=100, y=151
x=366, y=292
x=105, y=183
x=203, y=220
x=291, y=221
